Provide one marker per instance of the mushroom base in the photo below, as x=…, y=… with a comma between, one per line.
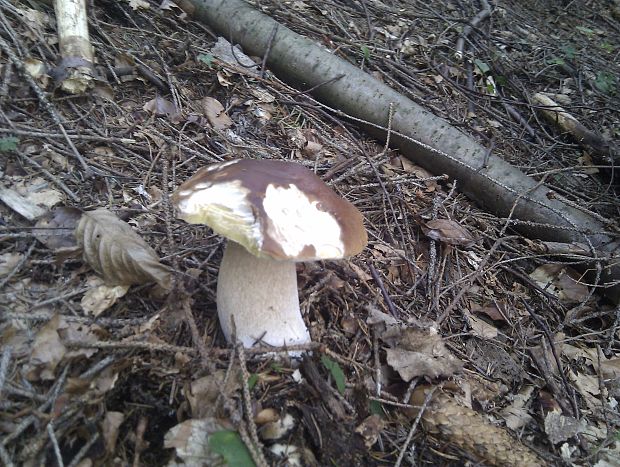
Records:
x=261, y=294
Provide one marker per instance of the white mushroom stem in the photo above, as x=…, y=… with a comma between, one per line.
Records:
x=262, y=296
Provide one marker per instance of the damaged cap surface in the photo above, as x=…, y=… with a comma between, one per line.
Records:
x=274, y=209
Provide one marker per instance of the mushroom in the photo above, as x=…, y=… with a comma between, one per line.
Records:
x=274, y=213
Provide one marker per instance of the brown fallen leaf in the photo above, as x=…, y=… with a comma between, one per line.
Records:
x=203, y=393
x=47, y=352
x=448, y=231
x=8, y=262
x=117, y=252
x=214, y=111
x=560, y=427
x=109, y=428
x=56, y=229
x=479, y=327
x=422, y=353
x=561, y=281
x=163, y=107
x=517, y=414
x=370, y=429
x=100, y=296
x=190, y=440
x=493, y=311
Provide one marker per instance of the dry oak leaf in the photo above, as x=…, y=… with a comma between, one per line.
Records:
x=448, y=231
x=422, y=353
x=119, y=254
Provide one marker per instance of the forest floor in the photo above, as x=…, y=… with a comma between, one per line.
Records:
x=430, y=351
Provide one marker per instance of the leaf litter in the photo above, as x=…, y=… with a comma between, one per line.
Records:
x=124, y=367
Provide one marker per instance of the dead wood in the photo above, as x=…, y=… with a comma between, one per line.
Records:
x=426, y=139
x=603, y=151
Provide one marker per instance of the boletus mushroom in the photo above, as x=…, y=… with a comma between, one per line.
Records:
x=274, y=213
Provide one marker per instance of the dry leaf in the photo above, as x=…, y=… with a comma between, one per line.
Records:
x=214, y=111
x=448, y=231
x=56, y=229
x=559, y=427
x=370, y=429
x=139, y=4
x=480, y=327
x=74, y=331
x=492, y=311
x=204, y=391
x=116, y=252
x=8, y=262
x=37, y=70
x=109, y=428
x=163, y=107
x=101, y=297
x=47, y=352
x=190, y=440
x=516, y=415
x=224, y=51
x=561, y=281
x=422, y=353
x=277, y=429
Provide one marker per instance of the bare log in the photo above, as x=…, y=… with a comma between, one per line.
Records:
x=426, y=139
x=76, y=67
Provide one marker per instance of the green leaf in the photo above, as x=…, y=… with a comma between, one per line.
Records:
x=557, y=61
x=206, y=58
x=483, y=67
x=366, y=52
x=584, y=30
x=501, y=80
x=277, y=367
x=252, y=380
x=605, y=82
x=228, y=444
x=8, y=144
x=336, y=372
x=376, y=408
x=569, y=51
x=607, y=47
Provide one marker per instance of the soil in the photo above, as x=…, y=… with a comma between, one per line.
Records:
x=136, y=371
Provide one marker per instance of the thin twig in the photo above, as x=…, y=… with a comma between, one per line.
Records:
x=547, y=332
x=18, y=266
x=384, y=292
x=52, y=435
x=4, y=365
x=405, y=447
x=272, y=36
x=247, y=407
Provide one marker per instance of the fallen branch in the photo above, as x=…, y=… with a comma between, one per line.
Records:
x=76, y=67
x=602, y=151
x=483, y=14
x=426, y=139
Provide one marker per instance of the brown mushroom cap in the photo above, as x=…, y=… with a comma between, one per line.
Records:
x=274, y=209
